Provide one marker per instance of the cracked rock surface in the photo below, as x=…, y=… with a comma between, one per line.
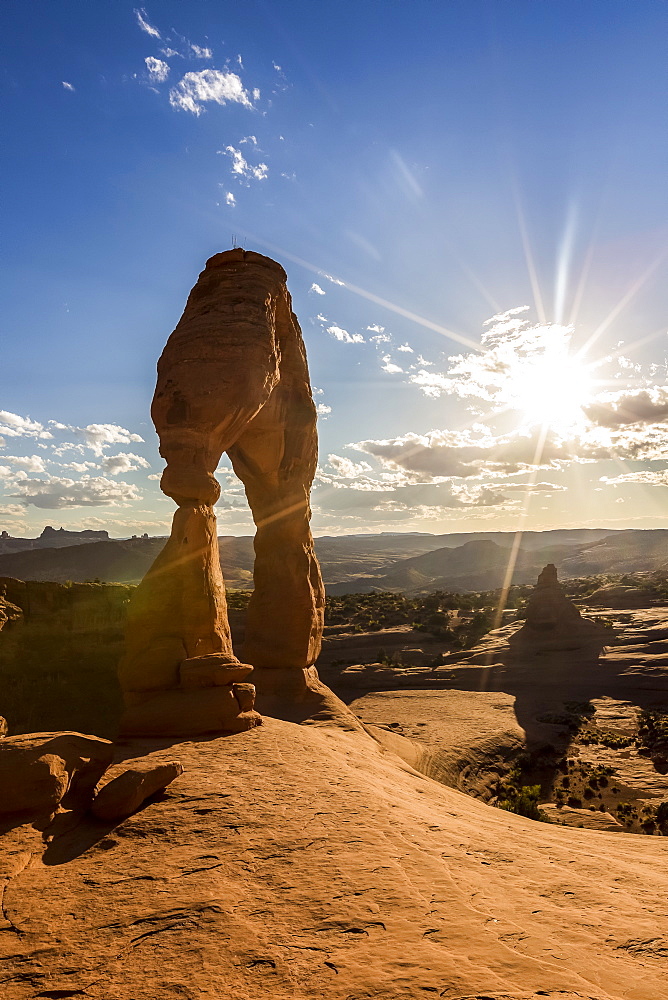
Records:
x=306, y=861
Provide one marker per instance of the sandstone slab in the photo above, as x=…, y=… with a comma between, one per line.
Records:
x=346, y=875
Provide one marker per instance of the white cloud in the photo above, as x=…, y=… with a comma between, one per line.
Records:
x=100, y=436
x=114, y=465
x=28, y=463
x=380, y=338
x=256, y=94
x=375, y=328
x=242, y=168
x=55, y=493
x=641, y=478
x=219, y=86
x=531, y=488
x=640, y=406
x=322, y=409
x=201, y=52
x=81, y=466
x=431, y=383
x=334, y=281
x=157, y=69
x=248, y=139
x=13, y=425
x=405, y=348
x=155, y=475
x=230, y=199
x=142, y=21
x=67, y=86
x=317, y=289
x=346, y=338
x=389, y=366
x=170, y=53
x=440, y=455
x=346, y=468
x=12, y=510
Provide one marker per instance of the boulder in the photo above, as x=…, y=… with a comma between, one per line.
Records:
x=38, y=771
x=126, y=792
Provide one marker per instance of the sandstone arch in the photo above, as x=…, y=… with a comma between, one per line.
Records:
x=232, y=378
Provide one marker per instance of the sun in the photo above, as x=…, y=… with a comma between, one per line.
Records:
x=550, y=389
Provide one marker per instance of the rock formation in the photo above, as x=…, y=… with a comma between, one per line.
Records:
x=232, y=378
x=554, y=623
x=126, y=791
x=38, y=771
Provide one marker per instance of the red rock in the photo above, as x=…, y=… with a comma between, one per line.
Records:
x=125, y=793
x=38, y=771
x=232, y=378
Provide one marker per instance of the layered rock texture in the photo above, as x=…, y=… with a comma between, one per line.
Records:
x=232, y=378
x=554, y=623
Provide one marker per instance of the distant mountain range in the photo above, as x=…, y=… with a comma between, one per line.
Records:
x=51, y=538
x=410, y=563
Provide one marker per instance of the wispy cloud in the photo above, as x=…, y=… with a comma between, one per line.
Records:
x=143, y=22
x=67, y=86
x=315, y=287
x=645, y=477
x=389, y=366
x=242, y=168
x=158, y=70
x=209, y=85
x=329, y=277
x=201, y=52
x=346, y=338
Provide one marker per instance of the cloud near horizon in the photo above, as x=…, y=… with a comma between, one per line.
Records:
x=57, y=492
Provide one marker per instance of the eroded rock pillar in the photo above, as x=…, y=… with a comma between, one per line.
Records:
x=232, y=378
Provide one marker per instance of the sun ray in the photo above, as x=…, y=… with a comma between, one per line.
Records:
x=528, y=255
x=564, y=263
x=624, y=301
x=370, y=296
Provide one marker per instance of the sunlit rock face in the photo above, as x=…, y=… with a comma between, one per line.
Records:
x=554, y=623
x=232, y=378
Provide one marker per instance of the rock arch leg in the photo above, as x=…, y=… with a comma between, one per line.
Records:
x=275, y=458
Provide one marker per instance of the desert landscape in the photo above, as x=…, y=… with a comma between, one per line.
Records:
x=334, y=623
x=462, y=793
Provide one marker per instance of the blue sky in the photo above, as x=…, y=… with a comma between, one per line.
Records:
x=419, y=169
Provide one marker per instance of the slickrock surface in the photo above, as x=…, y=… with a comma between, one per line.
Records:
x=299, y=862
